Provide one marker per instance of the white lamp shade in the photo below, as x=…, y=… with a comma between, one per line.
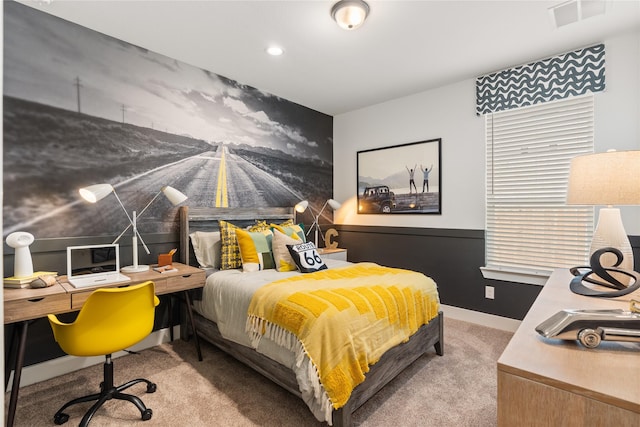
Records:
x=334, y=204
x=94, y=193
x=302, y=206
x=350, y=14
x=609, y=178
x=175, y=197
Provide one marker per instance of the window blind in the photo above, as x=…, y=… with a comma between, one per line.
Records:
x=530, y=230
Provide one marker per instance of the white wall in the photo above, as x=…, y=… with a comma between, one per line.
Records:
x=449, y=113
x=617, y=110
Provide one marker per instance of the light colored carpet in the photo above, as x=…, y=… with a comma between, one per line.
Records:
x=457, y=389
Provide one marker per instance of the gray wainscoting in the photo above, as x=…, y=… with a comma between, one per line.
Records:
x=451, y=257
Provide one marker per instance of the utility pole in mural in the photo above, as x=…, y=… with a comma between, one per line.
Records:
x=223, y=144
x=78, y=86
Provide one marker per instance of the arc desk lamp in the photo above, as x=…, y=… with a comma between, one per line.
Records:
x=97, y=192
x=303, y=205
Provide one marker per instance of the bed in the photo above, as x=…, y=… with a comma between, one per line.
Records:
x=264, y=358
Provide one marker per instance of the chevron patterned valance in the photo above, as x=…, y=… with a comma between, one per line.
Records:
x=570, y=74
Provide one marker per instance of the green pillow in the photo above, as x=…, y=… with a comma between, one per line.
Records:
x=255, y=249
x=289, y=228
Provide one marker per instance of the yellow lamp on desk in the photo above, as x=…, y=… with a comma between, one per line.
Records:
x=95, y=193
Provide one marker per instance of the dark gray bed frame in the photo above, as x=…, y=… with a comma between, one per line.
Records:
x=388, y=367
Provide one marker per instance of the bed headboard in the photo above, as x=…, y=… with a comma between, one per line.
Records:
x=197, y=218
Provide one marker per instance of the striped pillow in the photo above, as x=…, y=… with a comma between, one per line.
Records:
x=230, y=252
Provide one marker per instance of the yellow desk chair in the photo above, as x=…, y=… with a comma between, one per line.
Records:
x=111, y=320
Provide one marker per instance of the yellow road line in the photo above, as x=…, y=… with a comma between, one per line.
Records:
x=222, y=200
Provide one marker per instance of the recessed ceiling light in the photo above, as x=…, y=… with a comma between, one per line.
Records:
x=275, y=51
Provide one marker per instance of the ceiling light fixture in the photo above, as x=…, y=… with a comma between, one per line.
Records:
x=350, y=14
x=275, y=51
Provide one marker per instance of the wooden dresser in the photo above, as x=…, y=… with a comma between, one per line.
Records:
x=546, y=382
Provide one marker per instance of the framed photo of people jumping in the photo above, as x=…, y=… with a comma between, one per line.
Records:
x=401, y=179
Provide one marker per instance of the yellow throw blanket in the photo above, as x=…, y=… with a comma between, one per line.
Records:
x=343, y=319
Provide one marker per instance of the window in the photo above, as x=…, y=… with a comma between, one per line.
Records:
x=530, y=230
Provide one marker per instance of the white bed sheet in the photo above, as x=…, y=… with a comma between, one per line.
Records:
x=225, y=300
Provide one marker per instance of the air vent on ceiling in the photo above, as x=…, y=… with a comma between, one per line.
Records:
x=575, y=10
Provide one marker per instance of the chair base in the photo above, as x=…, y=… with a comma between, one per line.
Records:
x=107, y=392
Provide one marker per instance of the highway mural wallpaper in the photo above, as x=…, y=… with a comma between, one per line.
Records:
x=83, y=108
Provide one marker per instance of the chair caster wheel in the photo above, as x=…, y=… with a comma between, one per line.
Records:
x=151, y=388
x=60, y=419
x=146, y=415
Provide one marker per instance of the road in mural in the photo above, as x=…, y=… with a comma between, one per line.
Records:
x=82, y=108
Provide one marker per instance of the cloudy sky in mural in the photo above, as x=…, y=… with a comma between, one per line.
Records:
x=121, y=82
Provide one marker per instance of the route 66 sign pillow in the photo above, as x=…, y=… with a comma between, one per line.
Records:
x=306, y=257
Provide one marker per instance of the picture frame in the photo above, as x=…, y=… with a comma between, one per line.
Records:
x=401, y=179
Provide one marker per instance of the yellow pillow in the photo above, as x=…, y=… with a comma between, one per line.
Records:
x=260, y=225
x=289, y=228
x=230, y=252
x=255, y=249
x=281, y=256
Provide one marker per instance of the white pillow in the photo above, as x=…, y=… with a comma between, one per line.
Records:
x=281, y=256
x=207, y=247
x=306, y=257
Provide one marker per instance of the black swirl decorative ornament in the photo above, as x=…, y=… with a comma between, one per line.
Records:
x=601, y=276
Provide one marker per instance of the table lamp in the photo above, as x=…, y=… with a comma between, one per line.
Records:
x=303, y=205
x=20, y=241
x=97, y=192
x=610, y=178
x=300, y=207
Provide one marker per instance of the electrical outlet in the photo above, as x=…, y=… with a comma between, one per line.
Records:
x=489, y=292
